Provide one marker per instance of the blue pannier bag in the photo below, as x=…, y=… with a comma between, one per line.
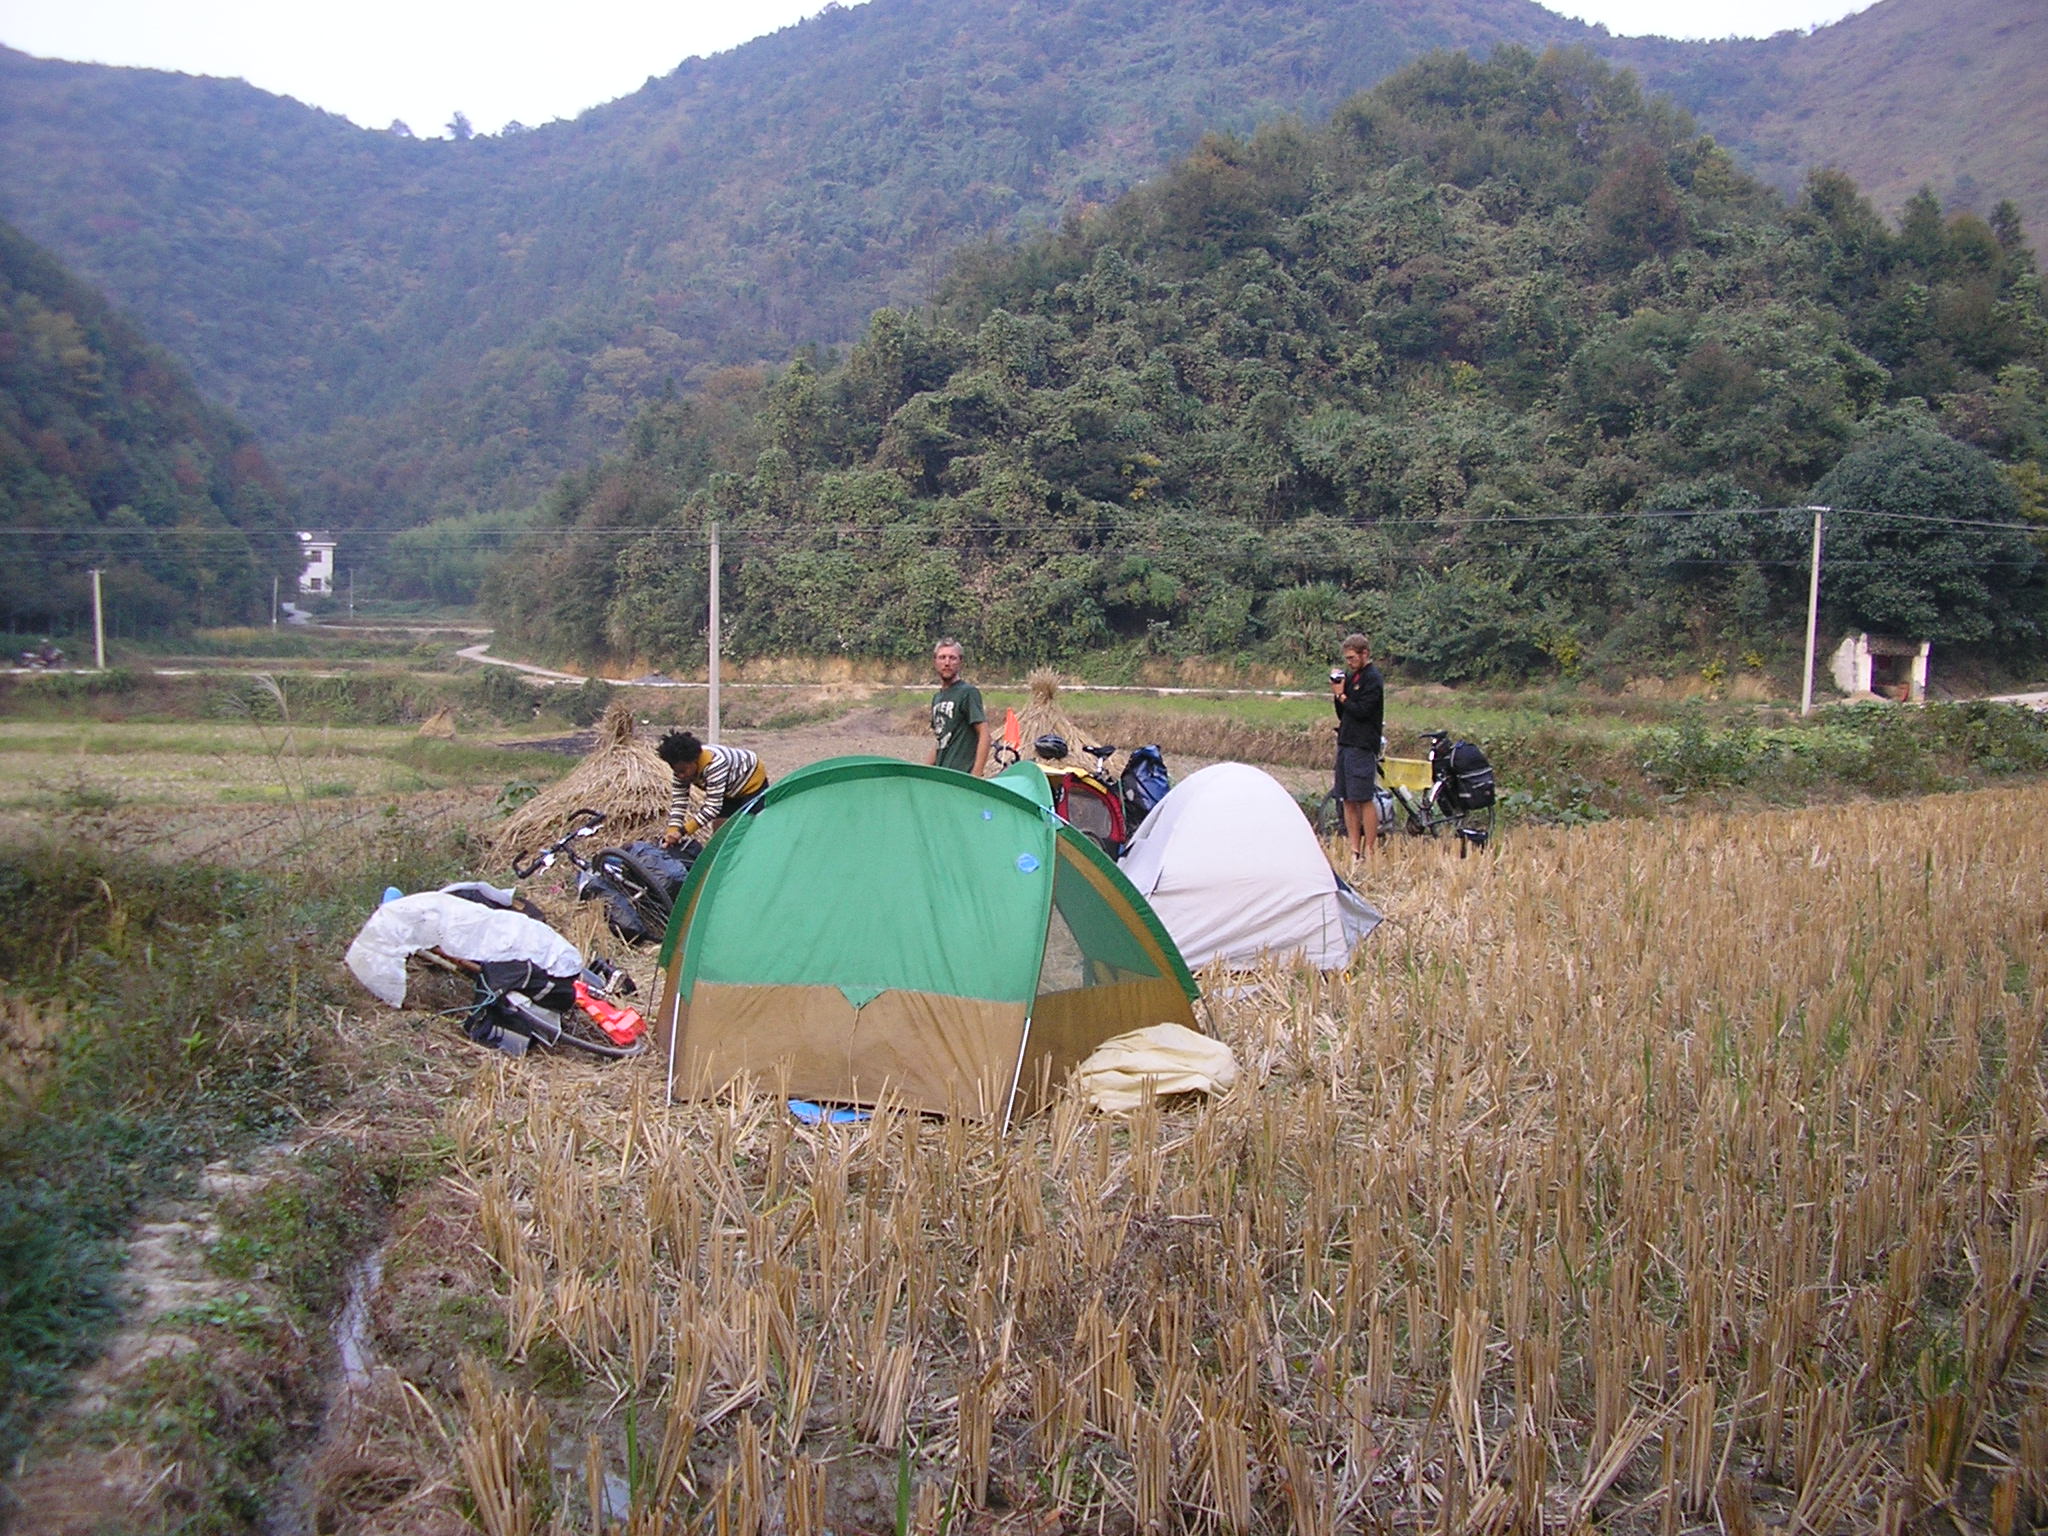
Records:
x=1143, y=783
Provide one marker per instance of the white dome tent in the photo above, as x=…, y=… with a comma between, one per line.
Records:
x=1235, y=873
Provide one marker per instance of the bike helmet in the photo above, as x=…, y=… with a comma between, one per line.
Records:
x=1051, y=746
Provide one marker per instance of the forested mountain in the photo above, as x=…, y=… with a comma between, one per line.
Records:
x=1435, y=368
x=417, y=326
x=109, y=458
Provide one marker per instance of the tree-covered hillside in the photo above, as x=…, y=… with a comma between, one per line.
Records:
x=422, y=327
x=1432, y=368
x=109, y=458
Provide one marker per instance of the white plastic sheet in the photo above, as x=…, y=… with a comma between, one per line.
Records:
x=463, y=929
x=1170, y=1057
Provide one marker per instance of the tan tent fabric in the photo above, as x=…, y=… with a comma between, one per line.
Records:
x=1167, y=1057
x=1066, y=1026
x=943, y=1054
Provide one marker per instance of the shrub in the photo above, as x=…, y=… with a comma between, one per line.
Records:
x=585, y=704
x=499, y=693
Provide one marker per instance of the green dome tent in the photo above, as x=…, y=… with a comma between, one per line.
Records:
x=875, y=927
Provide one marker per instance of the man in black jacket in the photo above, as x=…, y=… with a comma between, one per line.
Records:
x=1360, y=697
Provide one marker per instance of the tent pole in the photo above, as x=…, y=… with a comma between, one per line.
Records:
x=1017, y=1074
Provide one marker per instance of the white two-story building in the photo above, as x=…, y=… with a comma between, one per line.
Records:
x=317, y=575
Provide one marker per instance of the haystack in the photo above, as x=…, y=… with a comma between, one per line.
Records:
x=621, y=776
x=1043, y=714
x=439, y=726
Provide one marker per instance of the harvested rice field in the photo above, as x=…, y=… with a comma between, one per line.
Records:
x=1665, y=1176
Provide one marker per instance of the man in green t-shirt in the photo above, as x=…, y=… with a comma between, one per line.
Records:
x=959, y=724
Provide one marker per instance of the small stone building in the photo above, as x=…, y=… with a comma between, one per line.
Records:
x=1878, y=664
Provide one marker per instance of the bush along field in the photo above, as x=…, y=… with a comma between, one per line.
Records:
x=1570, y=762
x=1668, y=1175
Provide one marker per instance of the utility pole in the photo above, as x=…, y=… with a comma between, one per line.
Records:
x=1812, y=612
x=711, y=708
x=273, y=600
x=351, y=591
x=99, y=625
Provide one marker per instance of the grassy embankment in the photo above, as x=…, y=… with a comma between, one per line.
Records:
x=178, y=889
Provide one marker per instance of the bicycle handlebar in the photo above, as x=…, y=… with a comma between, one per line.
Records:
x=583, y=822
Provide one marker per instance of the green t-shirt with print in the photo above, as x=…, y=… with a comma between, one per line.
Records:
x=956, y=711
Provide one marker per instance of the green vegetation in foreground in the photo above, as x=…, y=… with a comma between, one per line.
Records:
x=158, y=1015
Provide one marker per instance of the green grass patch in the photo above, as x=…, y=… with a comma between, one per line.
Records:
x=294, y=642
x=475, y=762
x=183, y=1006
x=302, y=1230
x=69, y=770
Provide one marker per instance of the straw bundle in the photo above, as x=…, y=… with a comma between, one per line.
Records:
x=1046, y=714
x=439, y=726
x=621, y=777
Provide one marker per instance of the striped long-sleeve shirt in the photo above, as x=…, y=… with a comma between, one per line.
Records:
x=723, y=773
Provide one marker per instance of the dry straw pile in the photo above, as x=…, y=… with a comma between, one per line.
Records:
x=1046, y=715
x=621, y=776
x=1662, y=1177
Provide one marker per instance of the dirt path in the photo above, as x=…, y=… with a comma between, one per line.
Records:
x=479, y=654
x=72, y=1484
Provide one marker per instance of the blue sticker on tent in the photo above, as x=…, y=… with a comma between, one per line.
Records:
x=988, y=815
x=1027, y=863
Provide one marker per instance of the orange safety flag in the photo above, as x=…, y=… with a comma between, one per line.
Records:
x=1013, y=732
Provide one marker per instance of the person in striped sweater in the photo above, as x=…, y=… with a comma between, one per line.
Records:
x=729, y=779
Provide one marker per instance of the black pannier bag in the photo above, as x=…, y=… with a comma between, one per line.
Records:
x=1466, y=777
x=638, y=885
x=1143, y=783
x=669, y=867
x=518, y=1002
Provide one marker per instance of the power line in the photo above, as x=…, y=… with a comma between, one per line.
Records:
x=188, y=539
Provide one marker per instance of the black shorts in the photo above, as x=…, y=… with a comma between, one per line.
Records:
x=739, y=803
x=1357, y=774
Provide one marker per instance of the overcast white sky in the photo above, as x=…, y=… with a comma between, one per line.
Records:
x=498, y=61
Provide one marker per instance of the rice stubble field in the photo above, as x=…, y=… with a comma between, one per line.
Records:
x=1663, y=1176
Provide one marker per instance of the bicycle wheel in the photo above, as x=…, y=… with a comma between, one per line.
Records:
x=1473, y=829
x=581, y=1032
x=644, y=889
x=1416, y=817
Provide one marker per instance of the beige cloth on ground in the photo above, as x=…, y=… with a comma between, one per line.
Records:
x=1172, y=1057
